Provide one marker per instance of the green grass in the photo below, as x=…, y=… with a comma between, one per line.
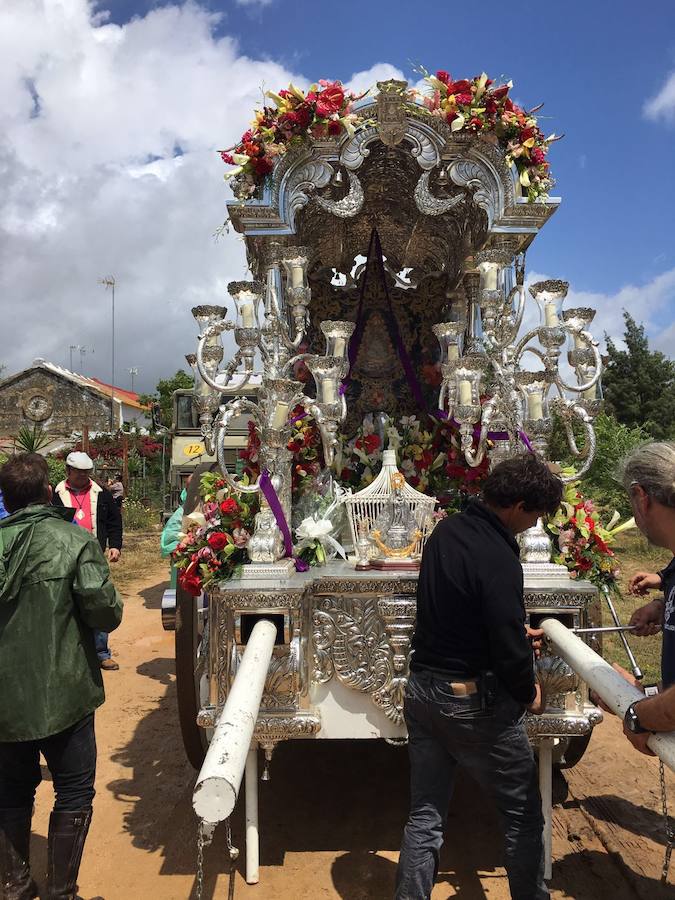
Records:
x=634, y=554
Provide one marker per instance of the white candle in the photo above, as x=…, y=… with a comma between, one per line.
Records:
x=453, y=352
x=550, y=315
x=280, y=415
x=465, y=393
x=340, y=344
x=329, y=391
x=296, y=276
x=590, y=394
x=535, y=405
x=247, y=315
x=579, y=342
x=490, y=278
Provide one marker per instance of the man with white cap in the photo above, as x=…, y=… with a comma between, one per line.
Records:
x=95, y=510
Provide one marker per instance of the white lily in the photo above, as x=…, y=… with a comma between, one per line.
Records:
x=311, y=529
x=630, y=523
x=195, y=519
x=457, y=123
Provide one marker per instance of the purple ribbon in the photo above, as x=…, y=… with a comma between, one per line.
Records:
x=274, y=503
x=492, y=435
x=375, y=252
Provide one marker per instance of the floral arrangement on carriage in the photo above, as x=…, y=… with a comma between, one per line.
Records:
x=471, y=105
x=213, y=545
x=582, y=542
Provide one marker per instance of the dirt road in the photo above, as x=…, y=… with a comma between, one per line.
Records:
x=331, y=817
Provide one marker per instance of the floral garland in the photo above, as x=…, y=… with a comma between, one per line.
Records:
x=470, y=105
x=213, y=546
x=582, y=542
x=475, y=106
x=325, y=110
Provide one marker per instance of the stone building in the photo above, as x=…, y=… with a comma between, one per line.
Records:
x=63, y=402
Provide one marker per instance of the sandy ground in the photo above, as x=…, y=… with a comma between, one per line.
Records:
x=332, y=815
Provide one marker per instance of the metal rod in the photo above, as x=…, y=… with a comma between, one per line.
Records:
x=637, y=671
x=546, y=790
x=607, y=629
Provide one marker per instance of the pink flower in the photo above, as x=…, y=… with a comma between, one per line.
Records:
x=240, y=537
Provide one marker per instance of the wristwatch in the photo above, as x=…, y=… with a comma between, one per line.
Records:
x=631, y=720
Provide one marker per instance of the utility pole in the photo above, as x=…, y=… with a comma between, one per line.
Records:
x=109, y=282
x=133, y=371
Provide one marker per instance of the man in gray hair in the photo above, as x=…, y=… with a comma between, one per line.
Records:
x=649, y=478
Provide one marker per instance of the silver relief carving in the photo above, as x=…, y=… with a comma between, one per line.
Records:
x=430, y=205
x=350, y=205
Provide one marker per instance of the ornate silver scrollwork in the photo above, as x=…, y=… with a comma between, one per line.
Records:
x=312, y=175
x=430, y=205
x=364, y=642
x=350, y=205
x=469, y=173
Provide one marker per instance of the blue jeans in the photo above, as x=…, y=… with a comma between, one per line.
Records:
x=445, y=731
x=71, y=759
x=101, y=643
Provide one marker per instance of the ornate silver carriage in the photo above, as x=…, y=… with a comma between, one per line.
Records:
x=453, y=225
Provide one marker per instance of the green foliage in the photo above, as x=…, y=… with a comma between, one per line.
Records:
x=639, y=384
x=57, y=469
x=164, y=394
x=137, y=516
x=30, y=440
x=601, y=482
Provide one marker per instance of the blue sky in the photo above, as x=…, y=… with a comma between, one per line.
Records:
x=167, y=75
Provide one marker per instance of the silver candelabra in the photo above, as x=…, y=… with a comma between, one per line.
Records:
x=491, y=394
x=269, y=326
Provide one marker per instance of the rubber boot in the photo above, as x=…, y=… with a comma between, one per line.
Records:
x=67, y=834
x=15, y=879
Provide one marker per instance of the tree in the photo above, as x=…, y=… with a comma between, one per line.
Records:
x=639, y=384
x=164, y=394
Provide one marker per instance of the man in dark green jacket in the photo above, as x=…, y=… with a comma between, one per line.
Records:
x=55, y=589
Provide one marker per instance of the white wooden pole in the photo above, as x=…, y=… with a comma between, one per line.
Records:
x=219, y=780
x=614, y=690
x=252, y=839
x=546, y=791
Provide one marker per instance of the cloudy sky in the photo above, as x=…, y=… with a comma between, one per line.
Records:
x=111, y=113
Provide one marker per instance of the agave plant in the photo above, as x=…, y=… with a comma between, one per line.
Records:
x=31, y=440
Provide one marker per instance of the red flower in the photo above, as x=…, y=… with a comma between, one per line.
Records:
x=218, y=540
x=475, y=123
x=226, y=158
x=459, y=87
x=451, y=116
x=330, y=100
x=464, y=99
x=537, y=156
x=443, y=76
x=371, y=443
x=190, y=583
x=334, y=127
x=346, y=474
x=263, y=165
x=500, y=92
x=229, y=507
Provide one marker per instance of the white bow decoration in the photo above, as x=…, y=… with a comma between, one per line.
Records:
x=311, y=529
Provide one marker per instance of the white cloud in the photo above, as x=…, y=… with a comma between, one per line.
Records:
x=662, y=105
x=361, y=81
x=253, y=2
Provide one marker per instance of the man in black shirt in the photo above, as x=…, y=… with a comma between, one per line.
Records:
x=472, y=679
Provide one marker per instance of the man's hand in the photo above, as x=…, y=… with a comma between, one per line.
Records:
x=648, y=619
x=535, y=636
x=112, y=554
x=537, y=706
x=643, y=582
x=625, y=674
x=639, y=741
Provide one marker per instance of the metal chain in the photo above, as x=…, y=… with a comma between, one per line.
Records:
x=670, y=832
x=200, y=862
x=233, y=853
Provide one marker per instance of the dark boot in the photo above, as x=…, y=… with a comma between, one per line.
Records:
x=16, y=882
x=67, y=834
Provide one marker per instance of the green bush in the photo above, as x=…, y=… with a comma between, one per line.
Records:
x=602, y=482
x=138, y=517
x=57, y=469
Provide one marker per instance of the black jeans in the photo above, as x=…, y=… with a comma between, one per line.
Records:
x=445, y=731
x=71, y=759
